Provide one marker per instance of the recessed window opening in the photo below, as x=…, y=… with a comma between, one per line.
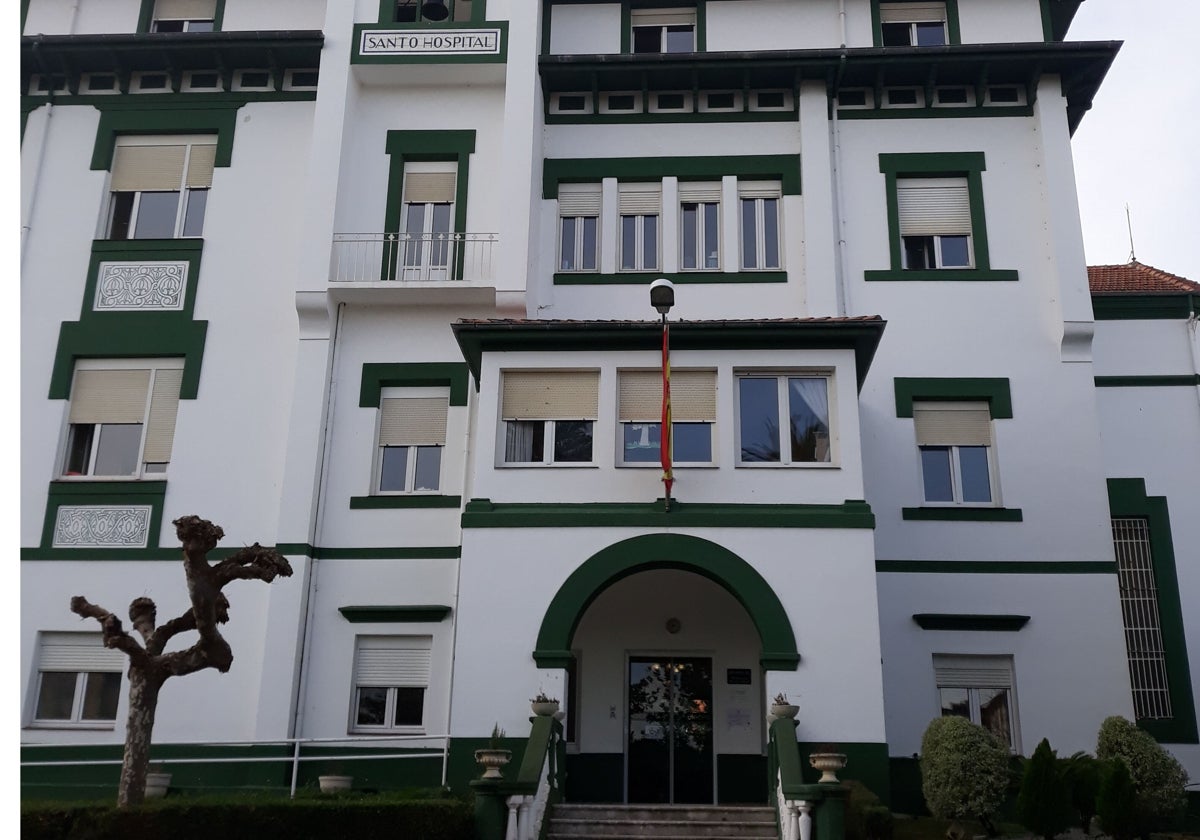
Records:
x=852, y=98
x=300, y=79
x=620, y=103
x=640, y=208
x=693, y=412
x=579, y=226
x=935, y=223
x=663, y=31
x=424, y=247
x=391, y=678
x=901, y=98
x=759, y=224
x=952, y=96
x=548, y=416
x=783, y=419
x=770, y=100
x=159, y=189
x=720, y=101
x=1140, y=614
x=980, y=689
x=183, y=16
x=150, y=81
x=571, y=103
x=699, y=226
x=1005, y=95
x=956, y=447
x=78, y=682
x=423, y=11
x=913, y=24
x=253, y=80
x=412, y=437
x=201, y=80
x=101, y=82
x=671, y=102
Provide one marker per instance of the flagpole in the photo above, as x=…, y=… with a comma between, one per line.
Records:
x=662, y=298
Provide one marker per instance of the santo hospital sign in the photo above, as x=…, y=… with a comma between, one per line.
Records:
x=383, y=42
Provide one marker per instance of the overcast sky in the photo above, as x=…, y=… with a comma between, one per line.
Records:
x=1140, y=143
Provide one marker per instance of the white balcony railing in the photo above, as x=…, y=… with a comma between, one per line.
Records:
x=413, y=257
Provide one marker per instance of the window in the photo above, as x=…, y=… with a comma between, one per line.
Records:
x=159, y=187
x=78, y=681
x=1139, y=610
x=759, y=224
x=979, y=688
x=700, y=226
x=913, y=24
x=548, y=416
x=184, y=16
x=663, y=30
x=391, y=675
x=768, y=404
x=640, y=206
x=935, y=223
x=693, y=413
x=412, y=11
x=122, y=418
x=412, y=435
x=955, y=441
x=425, y=251
x=579, y=223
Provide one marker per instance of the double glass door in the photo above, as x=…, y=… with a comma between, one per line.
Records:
x=669, y=741
x=425, y=244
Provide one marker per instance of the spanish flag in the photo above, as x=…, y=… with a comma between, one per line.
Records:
x=666, y=439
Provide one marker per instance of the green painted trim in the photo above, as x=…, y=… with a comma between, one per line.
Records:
x=395, y=615
x=110, y=250
x=995, y=390
x=939, y=274
x=406, y=502
x=478, y=14
x=102, y=493
x=24, y=13
x=646, y=278
x=126, y=335
x=545, y=22
x=648, y=118
x=1047, y=22
x=963, y=621
x=1166, y=381
x=961, y=514
x=953, y=33
x=501, y=57
x=667, y=551
x=996, y=567
x=1061, y=12
x=1127, y=498
x=1147, y=307
x=412, y=145
x=583, y=170
x=484, y=513
x=195, y=101
x=433, y=552
x=153, y=116
x=146, y=15
x=930, y=113
x=379, y=375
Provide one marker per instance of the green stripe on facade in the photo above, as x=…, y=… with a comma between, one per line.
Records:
x=379, y=375
x=411, y=502
x=995, y=390
x=585, y=170
x=395, y=614
x=648, y=117
x=484, y=513
x=683, y=277
x=432, y=552
x=996, y=567
x=1166, y=381
x=931, y=113
x=961, y=514
x=940, y=275
x=963, y=621
x=1135, y=307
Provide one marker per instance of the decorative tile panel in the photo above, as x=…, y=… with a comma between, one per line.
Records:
x=158, y=285
x=102, y=526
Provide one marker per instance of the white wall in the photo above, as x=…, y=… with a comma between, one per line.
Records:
x=585, y=29
x=988, y=22
x=81, y=17
x=300, y=14
x=773, y=25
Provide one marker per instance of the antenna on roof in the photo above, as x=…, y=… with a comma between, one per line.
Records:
x=1129, y=225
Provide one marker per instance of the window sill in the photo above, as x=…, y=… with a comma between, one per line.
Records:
x=404, y=501
x=388, y=733
x=940, y=274
x=774, y=465
x=582, y=278
x=642, y=465
x=540, y=465
x=962, y=514
x=101, y=726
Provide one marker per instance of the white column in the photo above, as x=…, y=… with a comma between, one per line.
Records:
x=670, y=225
x=512, y=829
x=806, y=825
x=792, y=830
x=816, y=180
x=609, y=223
x=731, y=257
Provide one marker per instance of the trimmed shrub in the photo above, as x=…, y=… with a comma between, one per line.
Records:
x=1044, y=805
x=867, y=818
x=1082, y=773
x=964, y=771
x=1158, y=779
x=1117, y=802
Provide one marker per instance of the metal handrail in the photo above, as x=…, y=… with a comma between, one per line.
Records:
x=412, y=257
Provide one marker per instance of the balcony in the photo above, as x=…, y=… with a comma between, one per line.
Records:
x=413, y=266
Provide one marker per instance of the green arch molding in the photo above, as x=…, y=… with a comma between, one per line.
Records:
x=666, y=551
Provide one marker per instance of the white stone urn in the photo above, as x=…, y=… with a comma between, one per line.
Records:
x=828, y=764
x=335, y=784
x=157, y=784
x=785, y=710
x=544, y=708
x=491, y=761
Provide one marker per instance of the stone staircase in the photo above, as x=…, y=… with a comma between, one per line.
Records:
x=624, y=822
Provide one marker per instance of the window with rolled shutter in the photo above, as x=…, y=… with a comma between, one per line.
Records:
x=393, y=661
x=953, y=424
x=413, y=421
x=693, y=396
x=639, y=199
x=550, y=395
x=933, y=207
x=78, y=652
x=578, y=200
x=911, y=12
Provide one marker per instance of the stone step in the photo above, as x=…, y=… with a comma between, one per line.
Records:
x=609, y=829
x=621, y=822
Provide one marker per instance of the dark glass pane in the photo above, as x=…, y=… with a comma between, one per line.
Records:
x=571, y=103
x=650, y=242
x=720, y=100
x=589, y=243
x=101, y=691
x=628, y=242
x=711, y=237
x=525, y=442
x=200, y=26
x=642, y=444
x=670, y=101
x=167, y=26
x=770, y=99
x=693, y=442
x=749, y=235
x=994, y=714
x=117, y=449
x=414, y=228
x=693, y=731
x=952, y=96
x=647, y=39
x=439, y=256
x=56, y=696
x=79, y=448
x=193, y=216
x=1004, y=95
x=955, y=702
x=209, y=80
x=156, y=215
x=429, y=468
x=808, y=409
x=955, y=251
x=935, y=468
x=852, y=98
x=918, y=252
x=568, y=244
x=976, y=486
x=897, y=35
x=410, y=706
x=681, y=39
x=689, y=232
x=901, y=96
x=572, y=441
x=394, y=469
x=120, y=215
x=622, y=102
x=372, y=707
x=770, y=232
x=758, y=401
x=649, y=744
x=406, y=11
x=931, y=34
x=255, y=80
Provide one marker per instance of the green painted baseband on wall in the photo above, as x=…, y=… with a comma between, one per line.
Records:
x=666, y=551
x=932, y=113
x=395, y=615
x=1149, y=307
x=961, y=621
x=484, y=513
x=939, y=275
x=996, y=567
x=557, y=171
x=404, y=502
x=649, y=118
x=995, y=390
x=379, y=375
x=431, y=552
x=961, y=514
x=1127, y=498
x=683, y=277
x=61, y=493
x=1165, y=381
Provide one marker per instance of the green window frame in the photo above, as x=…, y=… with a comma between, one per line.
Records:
x=146, y=16
x=969, y=165
x=478, y=14
x=953, y=35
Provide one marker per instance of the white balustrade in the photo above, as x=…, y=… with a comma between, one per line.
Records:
x=413, y=257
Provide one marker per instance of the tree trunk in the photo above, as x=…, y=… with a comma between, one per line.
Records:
x=143, y=702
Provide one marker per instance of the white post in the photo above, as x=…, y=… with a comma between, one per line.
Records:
x=791, y=830
x=523, y=819
x=805, y=820
x=511, y=830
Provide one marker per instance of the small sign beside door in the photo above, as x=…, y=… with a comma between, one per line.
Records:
x=737, y=676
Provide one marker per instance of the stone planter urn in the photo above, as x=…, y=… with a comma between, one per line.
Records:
x=335, y=784
x=492, y=760
x=157, y=784
x=785, y=710
x=828, y=764
x=544, y=708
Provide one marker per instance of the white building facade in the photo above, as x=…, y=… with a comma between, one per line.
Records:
x=367, y=281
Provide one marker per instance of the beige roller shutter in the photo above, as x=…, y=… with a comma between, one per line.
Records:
x=930, y=206
x=164, y=405
x=384, y=661
x=699, y=192
x=972, y=672
x=413, y=421
x=953, y=424
x=759, y=189
x=550, y=394
x=147, y=168
x=911, y=12
x=185, y=9
x=579, y=199
x=429, y=187
x=639, y=199
x=78, y=652
x=200, y=165
x=693, y=396
x=109, y=396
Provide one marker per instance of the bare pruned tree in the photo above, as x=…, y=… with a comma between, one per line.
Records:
x=149, y=667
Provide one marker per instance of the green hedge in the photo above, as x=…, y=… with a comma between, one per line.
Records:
x=353, y=817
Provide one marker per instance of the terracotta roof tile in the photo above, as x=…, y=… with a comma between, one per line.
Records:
x=1137, y=278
